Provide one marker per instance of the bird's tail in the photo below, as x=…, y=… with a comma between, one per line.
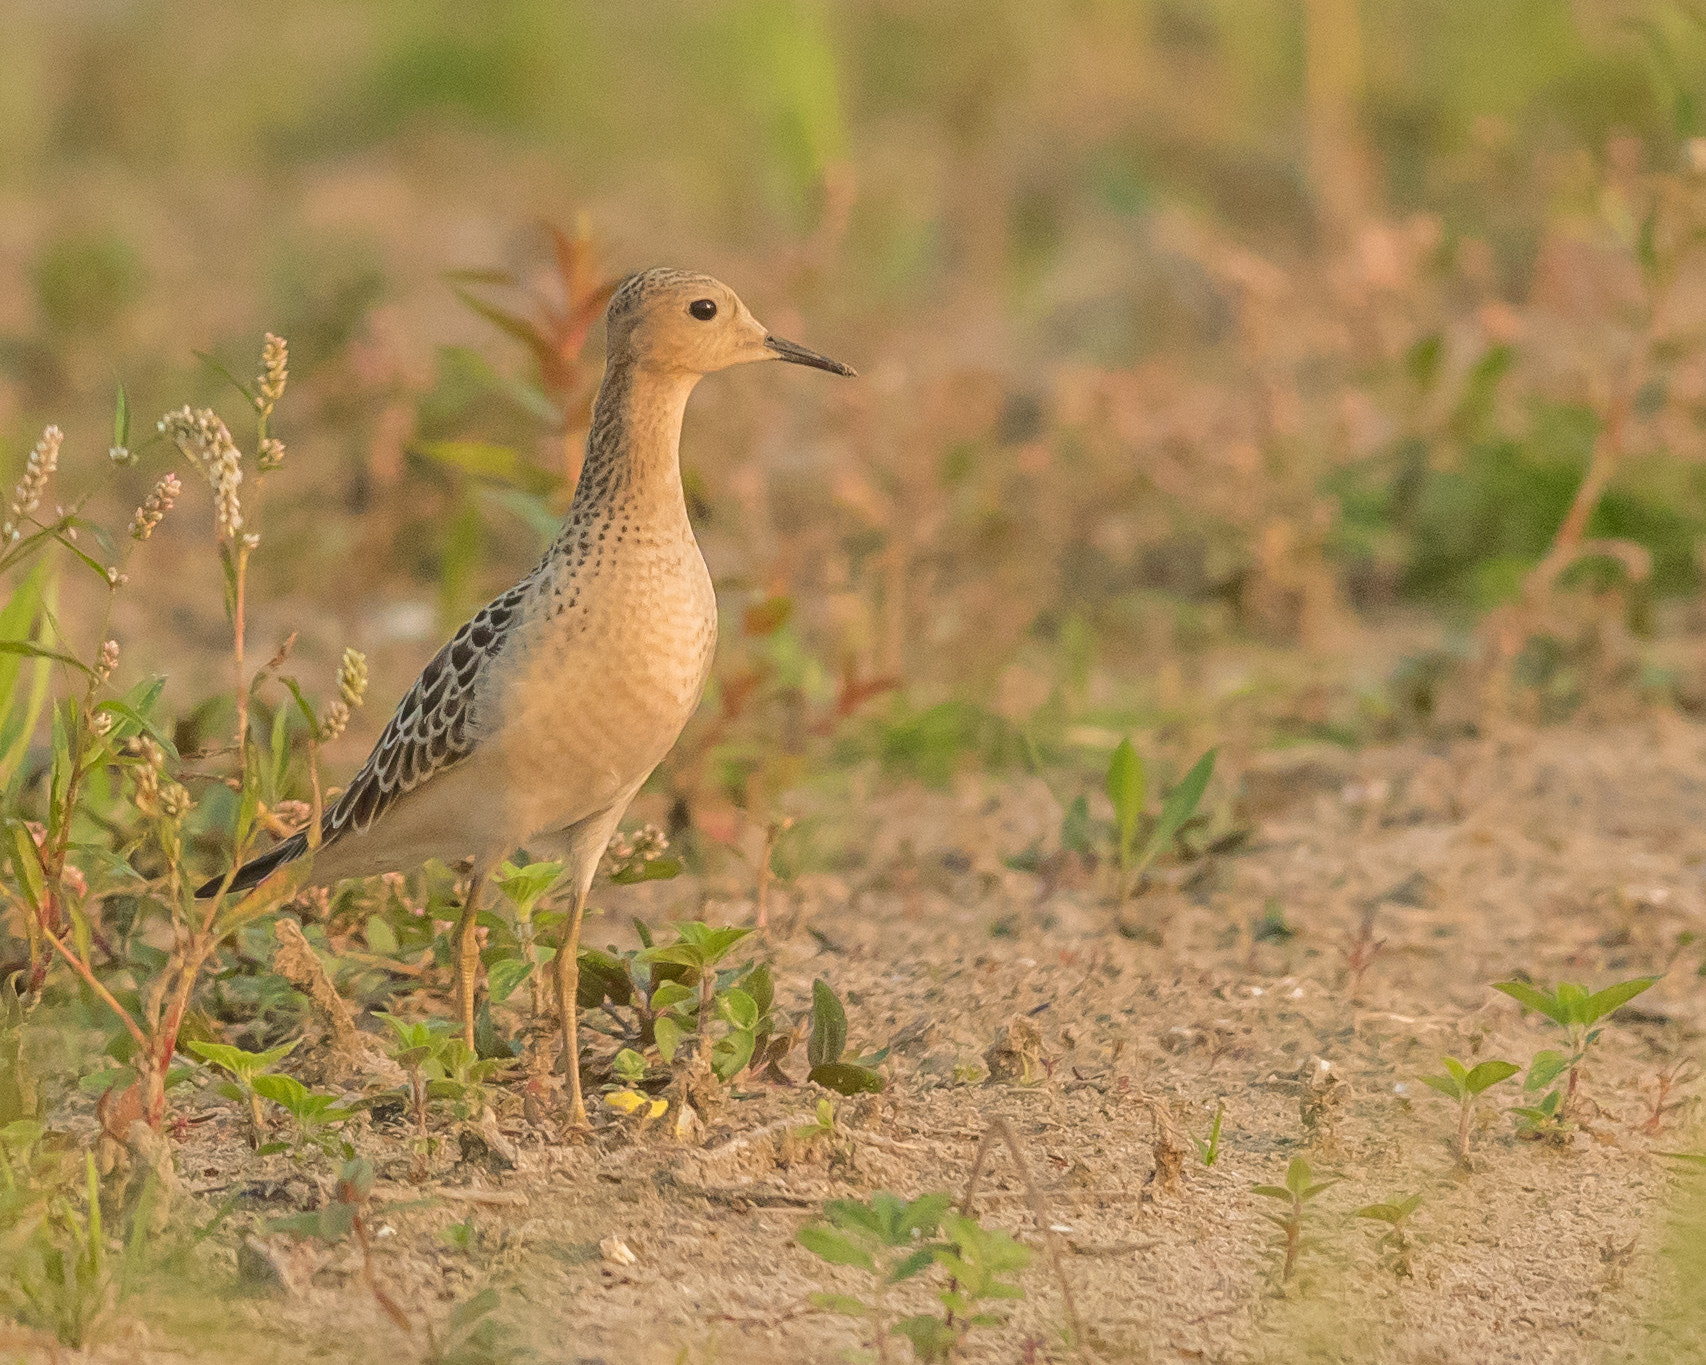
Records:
x=257, y=870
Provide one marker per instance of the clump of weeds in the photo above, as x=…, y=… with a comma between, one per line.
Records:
x=114, y=770
x=1465, y=1085
x=893, y=1241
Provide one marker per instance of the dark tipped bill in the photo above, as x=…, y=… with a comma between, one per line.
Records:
x=799, y=355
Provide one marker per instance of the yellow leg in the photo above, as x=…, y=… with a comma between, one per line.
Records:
x=567, y=972
x=468, y=947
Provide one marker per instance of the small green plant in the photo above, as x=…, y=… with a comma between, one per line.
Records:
x=1208, y=1150
x=1544, y=1119
x=1394, y=1244
x=345, y=1213
x=1465, y=1084
x=245, y=1068
x=660, y=995
x=420, y=1043
x=822, y=1128
x=692, y=1001
x=460, y=1236
x=827, y=1043
x=311, y=1111
x=1127, y=788
x=893, y=1241
x=523, y=887
x=1574, y=1010
x=475, y=1335
x=1299, y=1189
x=976, y=1259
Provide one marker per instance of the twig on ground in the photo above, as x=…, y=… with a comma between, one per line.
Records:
x=1000, y=1130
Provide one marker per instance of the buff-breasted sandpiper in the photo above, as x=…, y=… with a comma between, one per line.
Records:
x=545, y=713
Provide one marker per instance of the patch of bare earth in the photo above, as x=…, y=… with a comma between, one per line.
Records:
x=1565, y=854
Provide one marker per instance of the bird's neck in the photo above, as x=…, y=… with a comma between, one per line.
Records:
x=633, y=452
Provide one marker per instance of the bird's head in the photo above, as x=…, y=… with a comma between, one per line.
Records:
x=679, y=322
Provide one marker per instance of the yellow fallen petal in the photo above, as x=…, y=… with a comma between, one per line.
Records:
x=625, y=1100
x=658, y=1106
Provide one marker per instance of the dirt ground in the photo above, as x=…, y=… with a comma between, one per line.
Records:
x=1562, y=853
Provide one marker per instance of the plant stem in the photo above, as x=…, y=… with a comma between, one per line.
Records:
x=567, y=974
x=94, y=983
x=241, y=553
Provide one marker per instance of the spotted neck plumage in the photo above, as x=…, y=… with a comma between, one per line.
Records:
x=633, y=452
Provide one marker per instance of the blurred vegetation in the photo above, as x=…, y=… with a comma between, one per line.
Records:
x=1204, y=343
x=1187, y=324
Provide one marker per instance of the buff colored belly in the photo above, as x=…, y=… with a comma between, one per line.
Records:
x=603, y=693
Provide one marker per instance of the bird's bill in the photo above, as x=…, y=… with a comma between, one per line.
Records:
x=799, y=355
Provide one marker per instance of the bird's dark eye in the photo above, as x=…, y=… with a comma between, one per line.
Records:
x=703, y=309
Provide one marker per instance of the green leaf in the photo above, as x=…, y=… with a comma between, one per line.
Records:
x=467, y=1313
x=1078, y=828
x=238, y=1062
x=1449, y=1086
x=652, y=870
x=846, y=1079
x=670, y=994
x=330, y=1224
x=22, y=702
x=932, y=1339
x=1180, y=804
x=29, y=649
x=730, y=1054
x=136, y=715
x=1539, y=1001
x=908, y=1266
x=25, y=858
x=1272, y=1192
x=121, y=419
x=1455, y=1069
x=668, y=1034
x=829, y=1027
x=1489, y=1074
x=835, y=1247
x=1126, y=790
x=738, y=1008
x=381, y=937
x=1546, y=1067
x=285, y=1091
x=1602, y=1003
x=533, y=508
x=525, y=885
x=503, y=977
x=761, y=986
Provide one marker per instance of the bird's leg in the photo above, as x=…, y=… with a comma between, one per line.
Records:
x=468, y=946
x=568, y=977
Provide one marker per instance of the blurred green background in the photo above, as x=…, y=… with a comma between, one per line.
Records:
x=1218, y=357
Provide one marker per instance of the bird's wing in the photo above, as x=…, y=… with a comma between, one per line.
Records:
x=432, y=730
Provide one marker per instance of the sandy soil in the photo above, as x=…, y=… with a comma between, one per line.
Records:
x=1560, y=853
